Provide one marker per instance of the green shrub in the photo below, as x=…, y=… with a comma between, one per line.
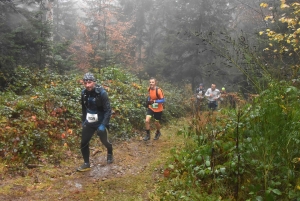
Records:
x=41, y=112
x=248, y=153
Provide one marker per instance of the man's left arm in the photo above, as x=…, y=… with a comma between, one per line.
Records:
x=106, y=108
x=83, y=108
x=218, y=95
x=161, y=98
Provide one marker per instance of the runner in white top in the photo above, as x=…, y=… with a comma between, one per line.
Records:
x=212, y=95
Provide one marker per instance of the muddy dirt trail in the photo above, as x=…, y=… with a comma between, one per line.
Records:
x=137, y=169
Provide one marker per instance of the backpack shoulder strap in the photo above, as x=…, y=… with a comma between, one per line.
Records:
x=99, y=90
x=157, y=96
x=157, y=92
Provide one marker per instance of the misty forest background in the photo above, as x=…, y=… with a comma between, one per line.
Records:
x=251, y=151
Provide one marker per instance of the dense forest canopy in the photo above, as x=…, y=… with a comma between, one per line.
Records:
x=193, y=41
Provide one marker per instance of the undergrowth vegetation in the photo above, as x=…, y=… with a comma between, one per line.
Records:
x=247, y=153
x=40, y=112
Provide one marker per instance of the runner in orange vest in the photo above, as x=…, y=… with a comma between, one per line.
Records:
x=155, y=109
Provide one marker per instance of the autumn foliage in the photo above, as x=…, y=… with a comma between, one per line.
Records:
x=285, y=43
x=103, y=37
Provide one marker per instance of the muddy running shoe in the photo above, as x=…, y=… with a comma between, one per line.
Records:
x=147, y=137
x=84, y=167
x=157, y=135
x=110, y=158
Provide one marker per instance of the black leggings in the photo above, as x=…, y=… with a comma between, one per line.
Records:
x=87, y=134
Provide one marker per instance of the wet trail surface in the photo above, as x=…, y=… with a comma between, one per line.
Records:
x=131, y=158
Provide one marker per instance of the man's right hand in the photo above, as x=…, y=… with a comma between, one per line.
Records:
x=150, y=102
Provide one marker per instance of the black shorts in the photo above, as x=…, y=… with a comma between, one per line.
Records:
x=212, y=105
x=156, y=115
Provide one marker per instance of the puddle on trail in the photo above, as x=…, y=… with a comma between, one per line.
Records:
x=74, y=185
x=100, y=171
x=130, y=159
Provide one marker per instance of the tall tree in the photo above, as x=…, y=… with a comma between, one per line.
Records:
x=105, y=34
x=65, y=16
x=24, y=36
x=170, y=49
x=282, y=49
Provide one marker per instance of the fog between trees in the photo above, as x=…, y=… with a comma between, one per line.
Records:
x=189, y=41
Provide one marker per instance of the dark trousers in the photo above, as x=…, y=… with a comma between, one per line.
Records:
x=87, y=134
x=212, y=105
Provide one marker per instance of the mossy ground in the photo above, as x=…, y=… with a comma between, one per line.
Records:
x=137, y=170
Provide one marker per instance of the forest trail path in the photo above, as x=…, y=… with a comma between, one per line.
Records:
x=137, y=170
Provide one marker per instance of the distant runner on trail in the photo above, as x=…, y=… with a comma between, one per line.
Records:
x=212, y=95
x=155, y=108
x=200, y=91
x=223, y=98
x=96, y=113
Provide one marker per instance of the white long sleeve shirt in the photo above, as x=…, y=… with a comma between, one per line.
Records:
x=212, y=95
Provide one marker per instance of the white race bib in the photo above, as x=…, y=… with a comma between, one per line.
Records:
x=155, y=105
x=91, y=117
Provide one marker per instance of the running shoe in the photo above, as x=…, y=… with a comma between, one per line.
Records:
x=157, y=135
x=110, y=158
x=84, y=167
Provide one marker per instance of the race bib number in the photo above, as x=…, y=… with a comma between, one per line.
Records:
x=91, y=117
x=155, y=105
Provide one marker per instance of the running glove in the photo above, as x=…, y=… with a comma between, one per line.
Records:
x=150, y=102
x=101, y=128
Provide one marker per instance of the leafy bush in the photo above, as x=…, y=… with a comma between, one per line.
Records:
x=248, y=153
x=39, y=110
x=41, y=113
